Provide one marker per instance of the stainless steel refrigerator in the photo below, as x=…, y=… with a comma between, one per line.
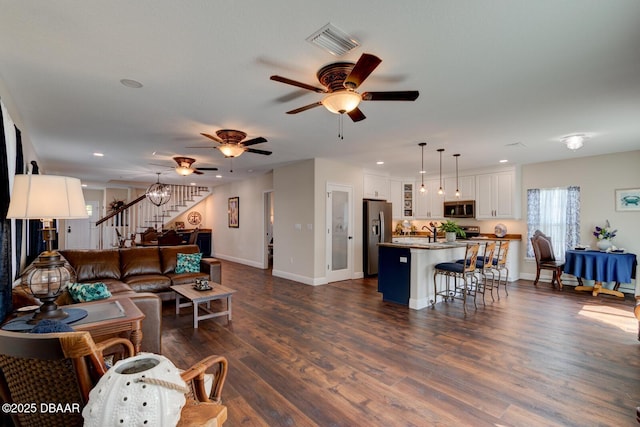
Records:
x=376, y=217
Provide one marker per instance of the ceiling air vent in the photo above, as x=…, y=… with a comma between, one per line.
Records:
x=333, y=39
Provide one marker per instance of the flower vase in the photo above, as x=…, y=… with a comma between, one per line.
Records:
x=604, y=244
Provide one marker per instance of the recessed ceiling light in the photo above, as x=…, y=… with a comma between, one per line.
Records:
x=504, y=161
x=133, y=84
x=84, y=185
x=98, y=154
x=218, y=176
x=423, y=171
x=193, y=183
x=380, y=163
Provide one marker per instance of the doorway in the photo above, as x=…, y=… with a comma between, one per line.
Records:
x=83, y=233
x=267, y=243
x=339, y=241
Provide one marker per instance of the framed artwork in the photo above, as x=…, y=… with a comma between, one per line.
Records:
x=179, y=225
x=234, y=212
x=628, y=199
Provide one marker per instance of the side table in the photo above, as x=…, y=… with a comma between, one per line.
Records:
x=112, y=317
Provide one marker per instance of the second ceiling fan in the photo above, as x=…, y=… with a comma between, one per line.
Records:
x=232, y=144
x=341, y=79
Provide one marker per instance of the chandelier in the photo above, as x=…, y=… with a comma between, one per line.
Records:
x=158, y=193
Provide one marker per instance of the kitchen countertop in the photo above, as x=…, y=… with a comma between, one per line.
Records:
x=481, y=237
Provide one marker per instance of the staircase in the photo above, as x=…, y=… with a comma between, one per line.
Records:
x=120, y=228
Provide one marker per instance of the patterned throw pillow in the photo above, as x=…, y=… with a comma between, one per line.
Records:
x=85, y=292
x=188, y=263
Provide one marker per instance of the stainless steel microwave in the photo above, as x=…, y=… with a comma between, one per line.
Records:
x=460, y=209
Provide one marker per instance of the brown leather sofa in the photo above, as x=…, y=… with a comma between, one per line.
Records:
x=142, y=274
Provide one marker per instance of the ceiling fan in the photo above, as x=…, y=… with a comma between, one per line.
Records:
x=340, y=81
x=184, y=167
x=232, y=145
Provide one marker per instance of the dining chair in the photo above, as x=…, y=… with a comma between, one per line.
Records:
x=545, y=258
x=500, y=265
x=464, y=271
x=62, y=368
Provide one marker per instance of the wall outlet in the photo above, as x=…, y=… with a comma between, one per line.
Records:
x=403, y=259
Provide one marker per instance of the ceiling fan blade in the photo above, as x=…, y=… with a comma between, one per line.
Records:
x=298, y=84
x=356, y=115
x=258, y=140
x=407, y=95
x=208, y=169
x=253, y=150
x=215, y=138
x=365, y=66
x=305, y=108
x=197, y=172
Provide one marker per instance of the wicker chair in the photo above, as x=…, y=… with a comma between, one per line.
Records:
x=63, y=367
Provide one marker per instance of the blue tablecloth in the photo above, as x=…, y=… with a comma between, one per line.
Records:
x=601, y=266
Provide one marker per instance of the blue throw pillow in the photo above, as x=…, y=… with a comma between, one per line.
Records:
x=85, y=292
x=188, y=263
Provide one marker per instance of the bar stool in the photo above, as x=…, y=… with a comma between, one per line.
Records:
x=500, y=265
x=484, y=266
x=464, y=271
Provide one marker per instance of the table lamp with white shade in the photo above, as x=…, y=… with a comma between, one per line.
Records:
x=47, y=197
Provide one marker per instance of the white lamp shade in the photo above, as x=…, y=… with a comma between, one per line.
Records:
x=342, y=101
x=47, y=197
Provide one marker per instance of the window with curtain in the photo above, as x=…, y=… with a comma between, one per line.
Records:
x=555, y=212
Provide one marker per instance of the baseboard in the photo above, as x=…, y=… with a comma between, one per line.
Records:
x=298, y=278
x=244, y=261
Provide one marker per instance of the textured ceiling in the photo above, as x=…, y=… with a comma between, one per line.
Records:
x=497, y=80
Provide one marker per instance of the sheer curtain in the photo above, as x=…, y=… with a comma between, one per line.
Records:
x=555, y=212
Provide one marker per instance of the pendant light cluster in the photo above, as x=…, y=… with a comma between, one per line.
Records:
x=423, y=189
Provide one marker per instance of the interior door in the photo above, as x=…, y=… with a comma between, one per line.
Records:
x=339, y=241
x=82, y=233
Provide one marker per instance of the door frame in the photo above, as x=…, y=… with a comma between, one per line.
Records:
x=347, y=273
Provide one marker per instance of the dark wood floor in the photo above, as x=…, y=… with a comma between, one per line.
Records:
x=336, y=355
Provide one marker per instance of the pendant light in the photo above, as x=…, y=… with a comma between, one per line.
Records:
x=457, y=186
x=440, y=190
x=423, y=189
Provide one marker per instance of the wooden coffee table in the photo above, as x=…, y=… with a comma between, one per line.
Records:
x=196, y=297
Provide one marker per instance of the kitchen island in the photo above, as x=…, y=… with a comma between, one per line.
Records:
x=405, y=269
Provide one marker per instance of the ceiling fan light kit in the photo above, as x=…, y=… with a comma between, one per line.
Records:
x=342, y=102
x=231, y=150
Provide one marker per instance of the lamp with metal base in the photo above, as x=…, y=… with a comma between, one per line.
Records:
x=47, y=197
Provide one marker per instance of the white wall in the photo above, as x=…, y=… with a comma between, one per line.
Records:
x=294, y=205
x=242, y=244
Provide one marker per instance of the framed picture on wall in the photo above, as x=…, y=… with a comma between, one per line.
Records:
x=234, y=212
x=628, y=199
x=179, y=225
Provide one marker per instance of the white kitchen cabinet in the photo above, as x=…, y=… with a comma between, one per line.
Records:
x=402, y=199
x=466, y=185
x=376, y=187
x=395, y=190
x=429, y=205
x=495, y=195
